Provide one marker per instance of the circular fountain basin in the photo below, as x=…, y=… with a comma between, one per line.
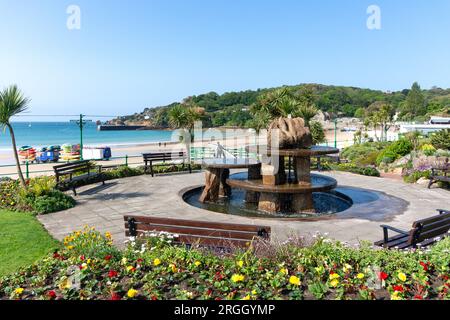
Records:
x=319, y=183
x=325, y=203
x=344, y=202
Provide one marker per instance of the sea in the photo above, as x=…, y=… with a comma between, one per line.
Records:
x=42, y=134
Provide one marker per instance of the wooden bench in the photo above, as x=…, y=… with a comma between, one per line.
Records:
x=164, y=158
x=205, y=234
x=439, y=174
x=70, y=175
x=423, y=233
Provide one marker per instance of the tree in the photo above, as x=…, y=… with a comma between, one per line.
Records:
x=12, y=102
x=282, y=103
x=380, y=114
x=414, y=104
x=317, y=132
x=441, y=139
x=184, y=116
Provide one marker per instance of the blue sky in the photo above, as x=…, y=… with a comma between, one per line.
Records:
x=134, y=54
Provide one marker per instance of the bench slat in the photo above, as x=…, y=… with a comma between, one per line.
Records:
x=199, y=224
x=195, y=231
x=433, y=233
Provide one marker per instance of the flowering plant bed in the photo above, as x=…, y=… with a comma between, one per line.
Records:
x=90, y=267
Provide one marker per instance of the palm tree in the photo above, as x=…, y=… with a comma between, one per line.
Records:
x=184, y=116
x=307, y=112
x=12, y=102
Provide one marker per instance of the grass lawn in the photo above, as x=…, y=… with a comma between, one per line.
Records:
x=23, y=240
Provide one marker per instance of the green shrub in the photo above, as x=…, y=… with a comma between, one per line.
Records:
x=441, y=139
x=428, y=149
x=52, y=201
x=395, y=151
x=365, y=153
x=349, y=167
x=39, y=198
x=413, y=176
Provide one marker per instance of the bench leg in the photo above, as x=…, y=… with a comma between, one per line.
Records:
x=74, y=191
x=151, y=170
x=431, y=183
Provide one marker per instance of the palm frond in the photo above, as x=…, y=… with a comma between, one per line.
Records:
x=12, y=102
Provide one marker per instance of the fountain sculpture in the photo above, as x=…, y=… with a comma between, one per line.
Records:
x=283, y=185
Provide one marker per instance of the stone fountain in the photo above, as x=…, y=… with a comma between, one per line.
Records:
x=277, y=190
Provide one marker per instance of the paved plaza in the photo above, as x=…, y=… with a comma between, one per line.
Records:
x=103, y=207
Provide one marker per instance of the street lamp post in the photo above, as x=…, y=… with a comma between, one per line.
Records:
x=81, y=123
x=335, y=133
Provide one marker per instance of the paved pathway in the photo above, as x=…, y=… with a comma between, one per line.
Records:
x=104, y=206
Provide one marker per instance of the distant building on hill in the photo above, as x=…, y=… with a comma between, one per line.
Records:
x=439, y=120
x=435, y=124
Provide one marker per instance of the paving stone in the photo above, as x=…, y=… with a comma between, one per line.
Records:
x=104, y=208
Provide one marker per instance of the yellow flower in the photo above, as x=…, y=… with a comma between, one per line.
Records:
x=84, y=266
x=108, y=235
x=284, y=271
x=395, y=296
x=18, y=291
x=334, y=276
x=360, y=275
x=347, y=267
x=294, y=280
x=319, y=269
x=197, y=263
x=254, y=292
x=129, y=268
x=156, y=262
x=132, y=293
x=247, y=297
x=402, y=276
x=237, y=278
x=173, y=267
x=66, y=284
x=70, y=247
x=240, y=263
x=334, y=283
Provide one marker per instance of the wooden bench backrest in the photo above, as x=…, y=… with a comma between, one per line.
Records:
x=162, y=156
x=429, y=228
x=199, y=232
x=73, y=166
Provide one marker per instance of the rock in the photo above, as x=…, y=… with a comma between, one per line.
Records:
x=292, y=133
x=423, y=181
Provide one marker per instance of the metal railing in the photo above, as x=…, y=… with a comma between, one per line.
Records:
x=196, y=153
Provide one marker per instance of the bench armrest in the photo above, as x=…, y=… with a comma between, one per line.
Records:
x=386, y=229
x=442, y=211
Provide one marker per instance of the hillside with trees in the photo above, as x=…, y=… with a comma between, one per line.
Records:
x=242, y=109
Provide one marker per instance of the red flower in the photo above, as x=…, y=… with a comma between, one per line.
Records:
x=418, y=297
x=112, y=274
x=108, y=257
x=382, y=275
x=82, y=258
x=154, y=298
x=424, y=265
x=51, y=294
x=115, y=296
x=56, y=255
x=139, y=261
x=398, y=288
x=209, y=292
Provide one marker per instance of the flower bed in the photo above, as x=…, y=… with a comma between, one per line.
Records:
x=89, y=267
